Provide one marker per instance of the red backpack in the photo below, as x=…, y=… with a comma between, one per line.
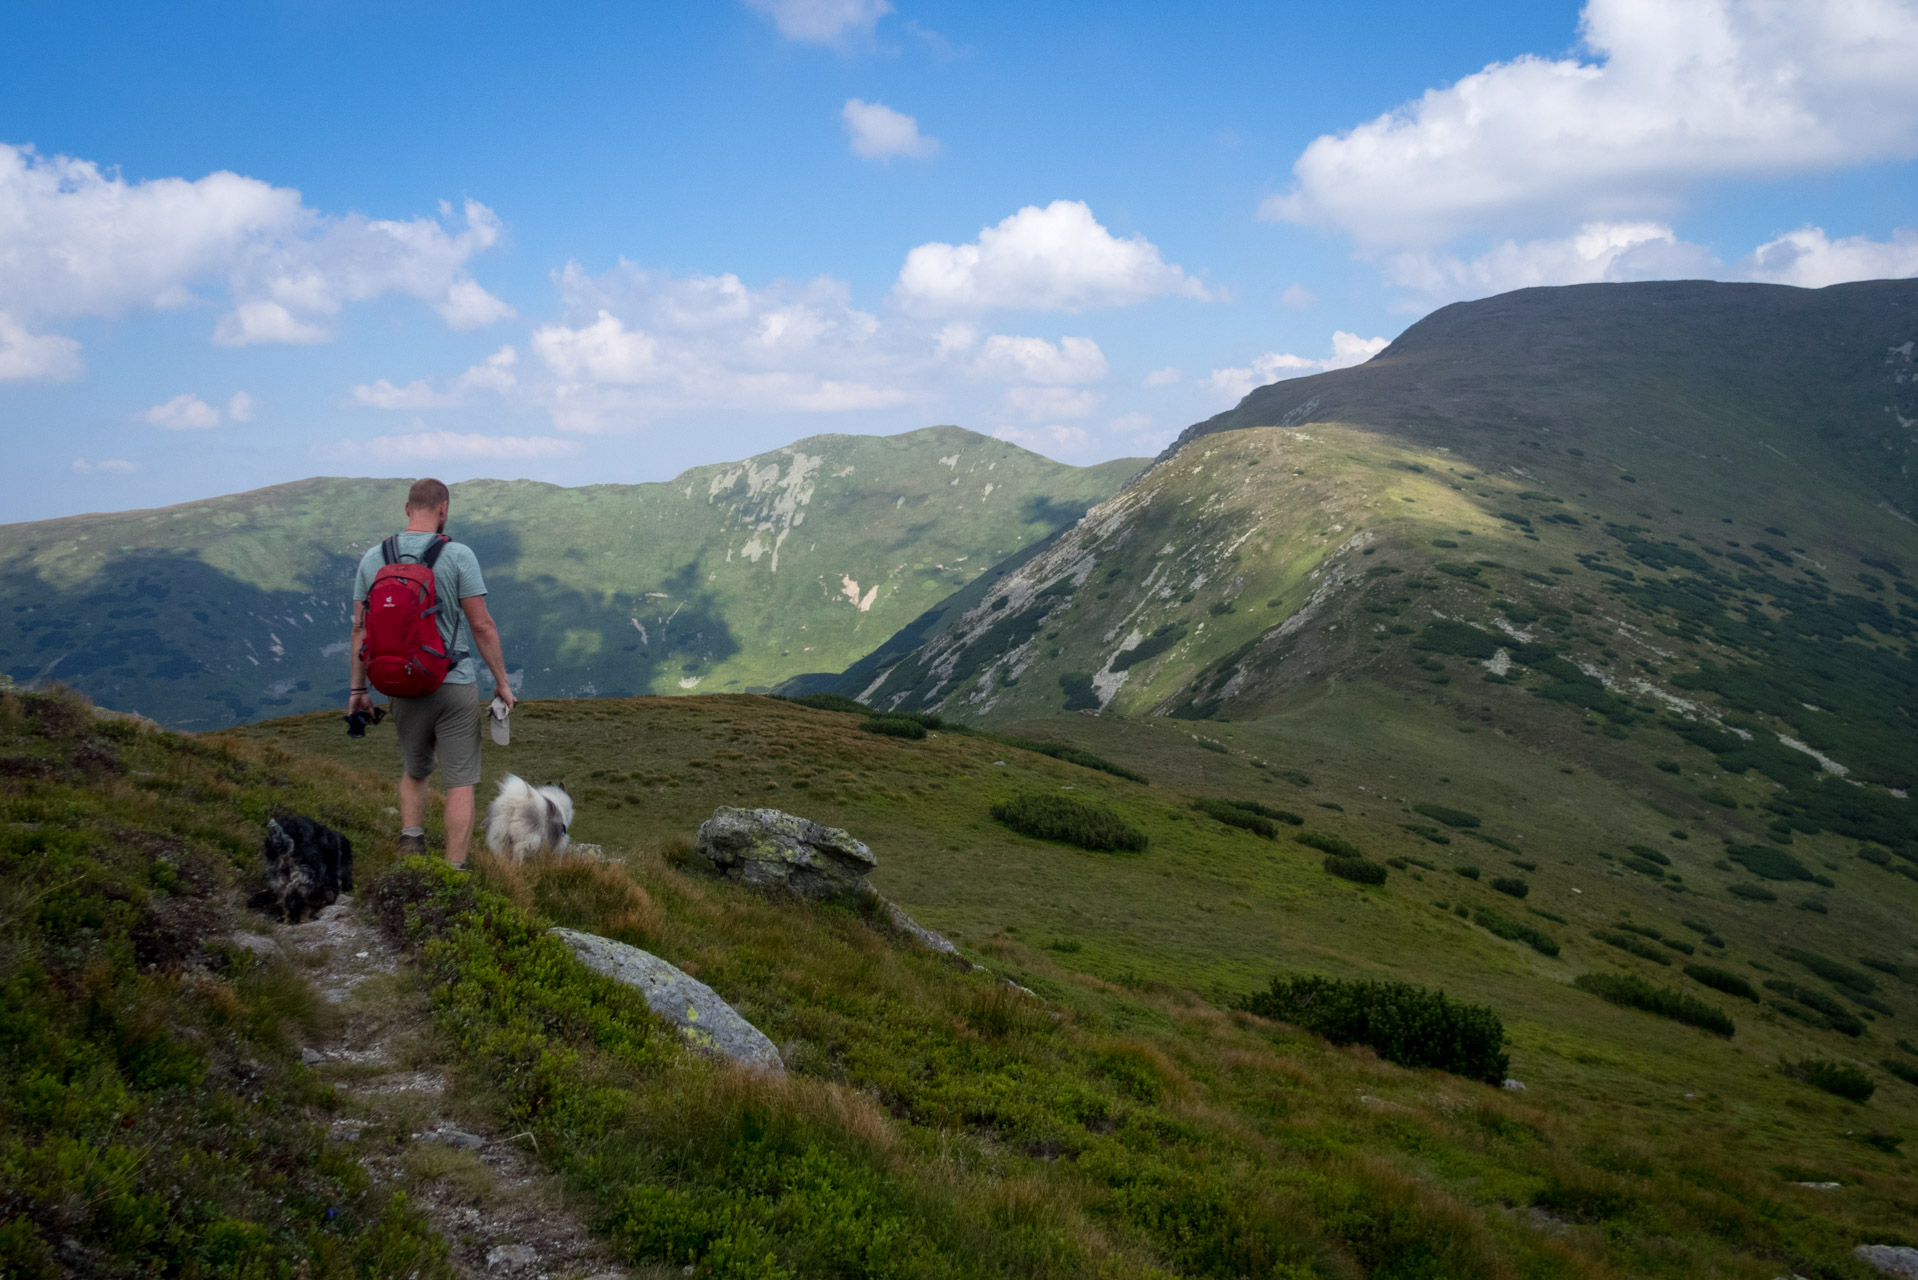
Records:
x=404, y=655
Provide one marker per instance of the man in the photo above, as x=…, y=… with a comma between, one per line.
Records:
x=443, y=726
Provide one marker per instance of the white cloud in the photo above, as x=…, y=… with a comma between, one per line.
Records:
x=185, y=412
x=1058, y=258
x=1036, y=404
x=76, y=240
x=827, y=22
x=1347, y=349
x=1071, y=360
x=444, y=446
x=1810, y=258
x=1053, y=439
x=880, y=133
x=1297, y=296
x=241, y=407
x=118, y=465
x=605, y=352
x=495, y=373
x=36, y=357
x=1162, y=377
x=1675, y=92
x=1597, y=251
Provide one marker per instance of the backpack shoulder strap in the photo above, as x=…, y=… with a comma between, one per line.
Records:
x=432, y=553
x=390, y=550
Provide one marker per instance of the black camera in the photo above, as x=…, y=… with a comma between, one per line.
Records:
x=357, y=721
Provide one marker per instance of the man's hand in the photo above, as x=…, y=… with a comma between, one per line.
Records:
x=504, y=693
x=359, y=702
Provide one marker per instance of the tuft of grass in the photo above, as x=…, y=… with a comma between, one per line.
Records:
x=1635, y=993
x=1407, y=1024
x=1069, y=821
x=1840, y=1078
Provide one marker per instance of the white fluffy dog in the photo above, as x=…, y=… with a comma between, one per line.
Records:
x=525, y=820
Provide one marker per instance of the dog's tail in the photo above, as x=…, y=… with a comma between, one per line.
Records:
x=514, y=793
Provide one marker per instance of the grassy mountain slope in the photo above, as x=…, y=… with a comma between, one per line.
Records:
x=1640, y=1147
x=731, y=576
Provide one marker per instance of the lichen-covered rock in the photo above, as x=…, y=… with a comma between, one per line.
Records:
x=771, y=849
x=896, y=916
x=707, y=1023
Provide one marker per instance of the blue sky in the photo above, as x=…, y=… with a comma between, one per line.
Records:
x=247, y=243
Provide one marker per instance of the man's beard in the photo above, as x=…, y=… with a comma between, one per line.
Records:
x=442, y=526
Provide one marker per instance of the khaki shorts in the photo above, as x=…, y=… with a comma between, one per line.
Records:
x=443, y=724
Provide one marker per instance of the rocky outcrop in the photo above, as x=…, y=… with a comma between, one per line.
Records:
x=706, y=1022
x=775, y=850
x=896, y=916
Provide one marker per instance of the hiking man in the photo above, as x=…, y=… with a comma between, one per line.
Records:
x=440, y=723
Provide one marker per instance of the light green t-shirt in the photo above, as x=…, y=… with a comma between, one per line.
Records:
x=456, y=577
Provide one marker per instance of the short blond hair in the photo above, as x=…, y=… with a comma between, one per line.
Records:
x=426, y=494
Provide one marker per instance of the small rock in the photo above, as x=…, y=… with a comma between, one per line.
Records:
x=1516, y=1086
x=771, y=849
x=1820, y=1186
x=1892, y=1259
x=907, y=925
x=511, y=1257
x=361, y=955
x=707, y=1022
x=312, y=1057
x=454, y=1138
x=259, y=944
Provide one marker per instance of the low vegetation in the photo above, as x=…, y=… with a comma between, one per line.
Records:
x=1069, y=821
x=1516, y=931
x=1840, y=1078
x=1357, y=870
x=1722, y=980
x=1407, y=1024
x=1667, y=1002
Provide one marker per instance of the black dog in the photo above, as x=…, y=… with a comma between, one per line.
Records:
x=308, y=866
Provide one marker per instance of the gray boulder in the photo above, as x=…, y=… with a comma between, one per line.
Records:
x=706, y=1022
x=1892, y=1259
x=896, y=916
x=771, y=849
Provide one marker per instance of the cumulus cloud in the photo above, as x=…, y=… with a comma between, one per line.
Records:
x=1810, y=258
x=76, y=241
x=1058, y=258
x=241, y=407
x=495, y=373
x=1036, y=404
x=1051, y=439
x=1671, y=93
x=1297, y=296
x=449, y=446
x=1596, y=252
x=827, y=22
x=186, y=412
x=1069, y=361
x=880, y=133
x=1348, y=349
x=1162, y=377
x=113, y=465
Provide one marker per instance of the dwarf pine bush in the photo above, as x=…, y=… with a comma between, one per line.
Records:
x=1407, y=1024
x=1840, y=1078
x=1357, y=870
x=1516, y=931
x=1636, y=993
x=1720, y=980
x=1069, y=821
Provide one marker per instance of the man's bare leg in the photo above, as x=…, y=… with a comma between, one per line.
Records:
x=459, y=823
x=413, y=796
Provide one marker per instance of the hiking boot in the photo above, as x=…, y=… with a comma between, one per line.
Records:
x=411, y=845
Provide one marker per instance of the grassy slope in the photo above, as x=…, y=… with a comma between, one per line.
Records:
x=1212, y=911
x=741, y=574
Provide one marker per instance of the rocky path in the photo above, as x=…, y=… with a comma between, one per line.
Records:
x=500, y=1212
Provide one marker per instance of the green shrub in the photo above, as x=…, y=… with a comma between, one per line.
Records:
x=1357, y=870
x=1668, y=766
x=1457, y=638
x=1329, y=844
x=1902, y=972
x=1427, y=833
x=1719, y=796
x=1516, y=931
x=1840, y=1078
x=831, y=702
x=1753, y=892
x=1767, y=862
x=1150, y=647
x=894, y=727
x=1403, y=1023
x=1286, y=816
x=1830, y=970
x=1234, y=816
x=1644, y=867
x=1903, y=1070
x=1637, y=946
x=1636, y=993
x=1650, y=854
x=1467, y=870
x=1449, y=816
x=1698, y=926
x=1511, y=886
x=1873, y=854
x=1720, y=980
x=1830, y=1014
x=1060, y=751
x=1080, y=695
x=1061, y=818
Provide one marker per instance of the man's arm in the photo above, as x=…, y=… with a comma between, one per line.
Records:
x=360, y=698
x=486, y=640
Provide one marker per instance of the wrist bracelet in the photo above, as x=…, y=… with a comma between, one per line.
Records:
x=356, y=690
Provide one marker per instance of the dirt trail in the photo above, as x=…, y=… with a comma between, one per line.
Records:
x=500, y=1212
